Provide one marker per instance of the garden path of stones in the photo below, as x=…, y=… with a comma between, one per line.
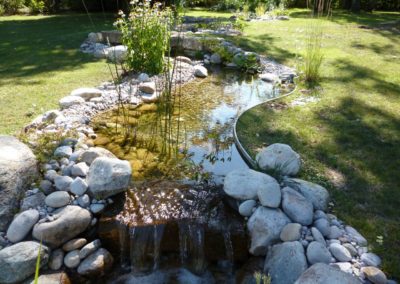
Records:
x=287, y=220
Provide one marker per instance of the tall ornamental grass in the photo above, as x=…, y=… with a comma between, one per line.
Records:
x=146, y=32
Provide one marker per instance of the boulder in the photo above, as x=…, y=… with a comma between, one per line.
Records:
x=90, y=155
x=57, y=199
x=375, y=275
x=108, y=177
x=279, y=158
x=18, y=262
x=200, y=71
x=69, y=101
x=147, y=87
x=96, y=264
x=22, y=225
x=246, y=208
x=285, y=262
x=18, y=168
x=245, y=184
x=265, y=226
x=321, y=273
x=297, y=207
x=291, y=232
x=314, y=193
x=86, y=93
x=67, y=223
x=317, y=252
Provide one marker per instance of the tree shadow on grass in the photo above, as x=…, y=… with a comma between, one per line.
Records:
x=38, y=45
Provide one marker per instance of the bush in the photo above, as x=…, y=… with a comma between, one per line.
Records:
x=10, y=7
x=36, y=6
x=146, y=33
x=260, y=9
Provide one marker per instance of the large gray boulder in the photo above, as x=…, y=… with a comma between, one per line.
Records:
x=249, y=184
x=96, y=264
x=18, y=261
x=279, y=158
x=297, y=207
x=321, y=273
x=265, y=226
x=314, y=193
x=18, y=168
x=285, y=262
x=108, y=177
x=22, y=225
x=67, y=223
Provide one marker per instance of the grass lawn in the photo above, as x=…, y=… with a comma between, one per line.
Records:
x=40, y=62
x=349, y=139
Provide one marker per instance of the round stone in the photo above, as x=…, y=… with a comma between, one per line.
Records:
x=56, y=259
x=22, y=225
x=246, y=208
x=323, y=226
x=71, y=259
x=317, y=252
x=318, y=236
x=374, y=275
x=57, y=199
x=371, y=259
x=291, y=232
x=340, y=252
x=74, y=244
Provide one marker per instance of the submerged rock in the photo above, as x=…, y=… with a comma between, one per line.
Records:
x=108, y=177
x=18, y=167
x=279, y=158
x=67, y=223
x=18, y=261
x=265, y=226
x=285, y=262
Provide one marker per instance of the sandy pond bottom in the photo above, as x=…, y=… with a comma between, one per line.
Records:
x=163, y=231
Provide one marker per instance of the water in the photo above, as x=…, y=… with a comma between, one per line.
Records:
x=185, y=233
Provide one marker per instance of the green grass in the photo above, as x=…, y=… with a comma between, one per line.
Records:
x=40, y=62
x=201, y=12
x=348, y=140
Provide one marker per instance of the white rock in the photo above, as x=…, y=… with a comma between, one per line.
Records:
x=200, y=71
x=343, y=266
x=63, y=151
x=340, y=252
x=265, y=226
x=22, y=225
x=117, y=54
x=84, y=201
x=147, y=87
x=71, y=259
x=246, y=208
x=143, y=77
x=78, y=186
x=245, y=184
x=57, y=199
x=80, y=169
x=69, y=101
x=63, y=183
x=279, y=158
x=86, y=93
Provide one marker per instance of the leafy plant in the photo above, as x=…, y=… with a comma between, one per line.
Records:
x=224, y=52
x=247, y=62
x=36, y=6
x=146, y=33
x=260, y=9
x=313, y=55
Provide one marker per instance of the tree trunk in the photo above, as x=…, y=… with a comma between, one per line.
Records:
x=355, y=6
x=346, y=4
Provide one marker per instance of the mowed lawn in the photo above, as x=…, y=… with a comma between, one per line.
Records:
x=348, y=135
x=40, y=62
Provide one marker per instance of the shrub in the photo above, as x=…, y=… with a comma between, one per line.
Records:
x=146, y=32
x=260, y=9
x=36, y=6
x=10, y=6
x=313, y=55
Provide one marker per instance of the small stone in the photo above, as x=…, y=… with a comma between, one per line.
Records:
x=22, y=225
x=46, y=186
x=291, y=232
x=340, y=252
x=71, y=259
x=317, y=252
x=335, y=233
x=96, y=264
x=147, y=87
x=56, y=259
x=89, y=248
x=318, y=236
x=323, y=226
x=200, y=71
x=63, y=183
x=78, y=186
x=51, y=175
x=80, y=169
x=63, y=151
x=352, y=250
x=84, y=201
x=246, y=208
x=374, y=275
x=356, y=236
x=57, y=199
x=371, y=259
x=74, y=244
x=96, y=208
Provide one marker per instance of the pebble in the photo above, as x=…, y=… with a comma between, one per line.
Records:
x=97, y=208
x=246, y=208
x=71, y=259
x=80, y=169
x=57, y=199
x=291, y=232
x=340, y=252
x=63, y=151
x=371, y=259
x=56, y=259
x=63, y=182
x=74, y=244
x=84, y=201
x=89, y=248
